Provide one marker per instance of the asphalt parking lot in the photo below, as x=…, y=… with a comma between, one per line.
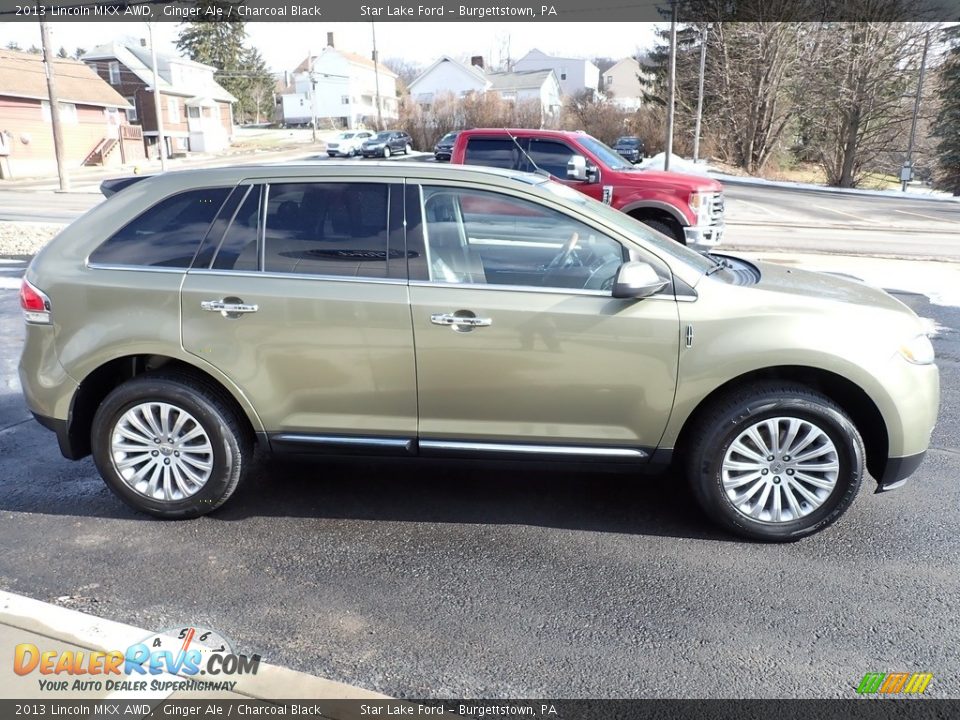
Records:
x=419, y=578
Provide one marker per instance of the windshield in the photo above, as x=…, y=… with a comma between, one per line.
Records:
x=628, y=141
x=449, y=137
x=607, y=155
x=346, y=136
x=632, y=227
x=385, y=135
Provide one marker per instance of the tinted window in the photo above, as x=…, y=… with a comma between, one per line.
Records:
x=327, y=229
x=166, y=235
x=486, y=238
x=492, y=153
x=239, y=249
x=551, y=156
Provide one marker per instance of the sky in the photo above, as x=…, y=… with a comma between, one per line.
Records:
x=284, y=45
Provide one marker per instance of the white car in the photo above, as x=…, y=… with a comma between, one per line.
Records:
x=347, y=144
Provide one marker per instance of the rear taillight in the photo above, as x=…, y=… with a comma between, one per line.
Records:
x=35, y=305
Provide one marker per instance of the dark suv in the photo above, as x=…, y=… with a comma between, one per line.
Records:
x=443, y=150
x=630, y=148
x=386, y=143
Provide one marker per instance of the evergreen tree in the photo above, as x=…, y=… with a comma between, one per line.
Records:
x=220, y=43
x=258, y=86
x=62, y=53
x=947, y=125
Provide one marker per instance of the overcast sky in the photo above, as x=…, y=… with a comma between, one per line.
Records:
x=284, y=45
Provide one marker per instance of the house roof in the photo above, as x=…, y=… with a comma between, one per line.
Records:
x=351, y=57
x=519, y=79
x=536, y=54
x=22, y=75
x=471, y=70
x=138, y=59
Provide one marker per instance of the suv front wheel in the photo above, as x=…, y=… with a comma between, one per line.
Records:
x=168, y=445
x=775, y=462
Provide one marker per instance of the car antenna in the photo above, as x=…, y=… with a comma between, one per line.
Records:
x=516, y=142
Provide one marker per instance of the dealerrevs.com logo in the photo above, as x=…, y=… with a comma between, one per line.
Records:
x=188, y=652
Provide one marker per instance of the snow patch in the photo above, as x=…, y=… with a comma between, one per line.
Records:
x=677, y=164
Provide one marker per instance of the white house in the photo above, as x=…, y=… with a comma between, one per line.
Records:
x=624, y=83
x=344, y=89
x=447, y=75
x=540, y=85
x=574, y=74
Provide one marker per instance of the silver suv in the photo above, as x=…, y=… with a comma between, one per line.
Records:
x=458, y=311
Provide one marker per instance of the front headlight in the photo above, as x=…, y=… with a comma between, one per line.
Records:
x=919, y=350
x=700, y=204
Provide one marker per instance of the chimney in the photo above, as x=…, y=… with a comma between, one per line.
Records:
x=330, y=39
x=477, y=61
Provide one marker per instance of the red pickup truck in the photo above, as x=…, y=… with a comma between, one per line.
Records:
x=688, y=208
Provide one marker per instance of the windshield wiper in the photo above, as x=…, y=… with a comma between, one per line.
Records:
x=720, y=263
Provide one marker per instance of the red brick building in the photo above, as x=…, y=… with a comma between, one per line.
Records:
x=196, y=111
x=93, y=115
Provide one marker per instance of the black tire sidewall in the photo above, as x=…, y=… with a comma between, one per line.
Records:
x=708, y=482
x=226, y=448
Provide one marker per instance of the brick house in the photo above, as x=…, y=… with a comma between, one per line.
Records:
x=196, y=111
x=93, y=115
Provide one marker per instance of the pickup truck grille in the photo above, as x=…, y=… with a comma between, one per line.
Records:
x=716, y=209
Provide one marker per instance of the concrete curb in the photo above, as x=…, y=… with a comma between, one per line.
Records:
x=24, y=619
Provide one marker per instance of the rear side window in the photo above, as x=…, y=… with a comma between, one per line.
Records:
x=166, y=235
x=327, y=229
x=492, y=152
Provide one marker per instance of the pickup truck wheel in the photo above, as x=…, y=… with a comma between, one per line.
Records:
x=168, y=445
x=671, y=230
x=775, y=462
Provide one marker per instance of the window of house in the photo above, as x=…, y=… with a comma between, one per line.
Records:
x=327, y=229
x=345, y=99
x=609, y=79
x=114, y=70
x=166, y=235
x=193, y=112
x=563, y=74
x=173, y=110
x=68, y=112
x=132, y=110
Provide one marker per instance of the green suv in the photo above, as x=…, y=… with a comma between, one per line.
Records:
x=407, y=309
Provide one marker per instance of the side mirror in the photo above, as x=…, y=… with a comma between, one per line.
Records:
x=636, y=279
x=579, y=169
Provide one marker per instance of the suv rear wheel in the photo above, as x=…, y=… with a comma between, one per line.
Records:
x=775, y=461
x=168, y=445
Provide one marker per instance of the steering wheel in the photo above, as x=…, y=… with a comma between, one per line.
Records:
x=563, y=257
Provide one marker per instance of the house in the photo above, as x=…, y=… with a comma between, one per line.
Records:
x=624, y=83
x=196, y=111
x=447, y=76
x=539, y=85
x=343, y=87
x=93, y=115
x=575, y=74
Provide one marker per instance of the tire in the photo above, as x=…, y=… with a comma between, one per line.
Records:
x=407, y=149
x=713, y=458
x=671, y=230
x=386, y=151
x=222, y=442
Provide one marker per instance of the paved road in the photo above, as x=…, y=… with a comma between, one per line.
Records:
x=426, y=578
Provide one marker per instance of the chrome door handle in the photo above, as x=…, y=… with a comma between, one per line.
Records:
x=228, y=308
x=460, y=321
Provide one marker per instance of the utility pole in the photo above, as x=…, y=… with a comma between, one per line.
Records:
x=703, y=62
x=671, y=83
x=376, y=75
x=161, y=143
x=54, y=107
x=311, y=91
x=907, y=173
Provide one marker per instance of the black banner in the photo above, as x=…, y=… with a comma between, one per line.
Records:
x=888, y=709
x=478, y=10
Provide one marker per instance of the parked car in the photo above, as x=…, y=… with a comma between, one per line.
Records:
x=630, y=148
x=347, y=144
x=386, y=143
x=444, y=147
x=422, y=309
x=687, y=208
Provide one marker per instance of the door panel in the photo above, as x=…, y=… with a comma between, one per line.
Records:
x=314, y=354
x=550, y=367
